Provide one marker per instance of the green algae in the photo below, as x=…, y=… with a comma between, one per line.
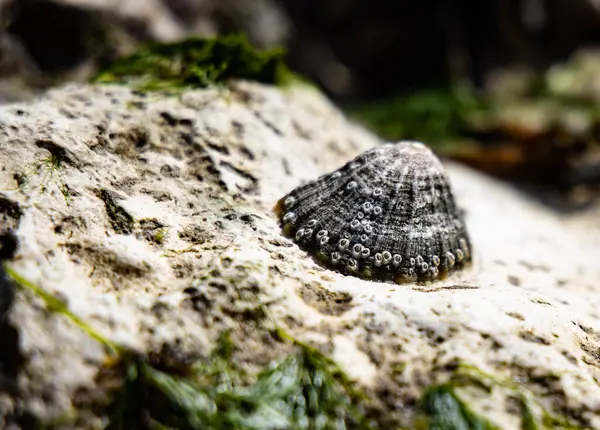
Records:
x=435, y=116
x=54, y=304
x=460, y=116
x=446, y=411
x=197, y=63
x=442, y=408
x=50, y=169
x=534, y=416
x=304, y=390
x=160, y=235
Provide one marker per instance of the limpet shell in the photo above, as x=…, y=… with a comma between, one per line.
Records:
x=388, y=214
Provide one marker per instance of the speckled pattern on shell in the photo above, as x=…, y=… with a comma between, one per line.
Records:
x=388, y=214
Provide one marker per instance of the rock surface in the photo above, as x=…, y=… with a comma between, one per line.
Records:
x=151, y=216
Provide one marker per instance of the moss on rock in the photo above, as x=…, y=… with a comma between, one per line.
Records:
x=197, y=62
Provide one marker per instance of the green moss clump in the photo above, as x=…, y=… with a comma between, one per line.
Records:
x=160, y=235
x=305, y=390
x=445, y=411
x=441, y=407
x=434, y=116
x=49, y=169
x=197, y=62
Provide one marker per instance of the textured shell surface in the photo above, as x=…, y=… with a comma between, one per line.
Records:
x=388, y=214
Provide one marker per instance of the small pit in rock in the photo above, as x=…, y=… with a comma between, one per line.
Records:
x=326, y=301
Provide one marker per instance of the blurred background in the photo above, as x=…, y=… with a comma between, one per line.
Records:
x=510, y=87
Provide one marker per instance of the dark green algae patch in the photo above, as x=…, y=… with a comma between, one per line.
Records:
x=198, y=63
x=438, y=116
x=443, y=410
x=450, y=116
x=304, y=390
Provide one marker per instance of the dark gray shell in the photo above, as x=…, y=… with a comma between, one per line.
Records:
x=389, y=214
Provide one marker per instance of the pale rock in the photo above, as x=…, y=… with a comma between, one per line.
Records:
x=207, y=166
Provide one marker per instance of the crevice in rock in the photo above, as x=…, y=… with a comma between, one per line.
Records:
x=10, y=214
x=120, y=220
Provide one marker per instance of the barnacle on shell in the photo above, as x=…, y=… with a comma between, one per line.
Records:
x=388, y=214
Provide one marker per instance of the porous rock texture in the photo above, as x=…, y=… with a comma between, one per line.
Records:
x=157, y=229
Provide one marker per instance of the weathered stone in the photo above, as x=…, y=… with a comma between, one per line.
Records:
x=204, y=178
